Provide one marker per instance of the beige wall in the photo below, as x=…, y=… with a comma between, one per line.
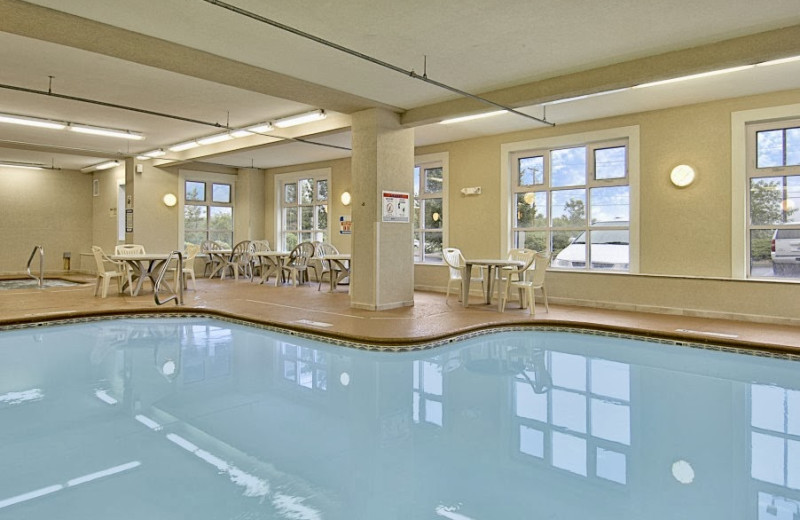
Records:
x=685, y=235
x=104, y=207
x=52, y=208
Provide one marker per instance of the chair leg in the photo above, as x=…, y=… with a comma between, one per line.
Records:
x=106, y=281
x=544, y=295
x=531, y=301
x=504, y=294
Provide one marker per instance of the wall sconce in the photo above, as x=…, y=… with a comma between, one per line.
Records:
x=345, y=198
x=682, y=175
x=170, y=200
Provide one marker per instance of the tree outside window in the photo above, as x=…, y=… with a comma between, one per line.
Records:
x=428, y=212
x=774, y=199
x=205, y=219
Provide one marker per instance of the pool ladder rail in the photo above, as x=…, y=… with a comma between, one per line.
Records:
x=177, y=294
x=40, y=278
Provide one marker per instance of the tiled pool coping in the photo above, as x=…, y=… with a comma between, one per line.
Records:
x=412, y=345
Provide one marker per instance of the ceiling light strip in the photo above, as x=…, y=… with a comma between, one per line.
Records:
x=376, y=61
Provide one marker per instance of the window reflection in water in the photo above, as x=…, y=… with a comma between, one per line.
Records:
x=581, y=423
x=206, y=352
x=305, y=366
x=775, y=450
x=428, y=385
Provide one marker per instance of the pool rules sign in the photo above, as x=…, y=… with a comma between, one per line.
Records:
x=396, y=206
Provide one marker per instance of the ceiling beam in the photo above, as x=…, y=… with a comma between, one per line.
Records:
x=745, y=50
x=42, y=23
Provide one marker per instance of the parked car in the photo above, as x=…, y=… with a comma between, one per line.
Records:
x=785, y=251
x=610, y=250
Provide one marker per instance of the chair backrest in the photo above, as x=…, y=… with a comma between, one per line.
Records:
x=260, y=245
x=97, y=251
x=523, y=255
x=300, y=254
x=242, y=251
x=540, y=264
x=209, y=245
x=191, y=252
x=129, y=249
x=324, y=248
x=454, y=260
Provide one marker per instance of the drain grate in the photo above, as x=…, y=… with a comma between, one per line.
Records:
x=705, y=333
x=314, y=323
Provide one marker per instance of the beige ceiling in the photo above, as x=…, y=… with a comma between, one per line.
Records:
x=195, y=60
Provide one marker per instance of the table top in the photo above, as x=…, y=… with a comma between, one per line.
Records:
x=216, y=251
x=272, y=253
x=494, y=261
x=141, y=257
x=339, y=256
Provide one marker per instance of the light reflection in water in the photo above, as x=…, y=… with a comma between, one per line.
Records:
x=245, y=424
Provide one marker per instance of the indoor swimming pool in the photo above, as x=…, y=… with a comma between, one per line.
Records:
x=176, y=418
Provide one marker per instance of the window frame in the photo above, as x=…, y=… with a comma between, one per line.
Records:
x=740, y=249
x=753, y=171
x=209, y=179
x=596, y=140
x=293, y=177
x=429, y=161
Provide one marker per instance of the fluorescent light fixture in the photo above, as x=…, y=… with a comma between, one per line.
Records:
x=101, y=166
x=106, y=132
x=183, y=146
x=152, y=154
x=472, y=117
x=694, y=76
x=27, y=166
x=778, y=61
x=218, y=138
x=240, y=133
x=299, y=119
x=32, y=121
x=259, y=128
x=585, y=96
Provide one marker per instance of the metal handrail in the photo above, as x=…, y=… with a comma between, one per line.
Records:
x=177, y=295
x=40, y=278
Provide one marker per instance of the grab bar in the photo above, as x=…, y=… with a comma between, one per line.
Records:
x=40, y=278
x=178, y=293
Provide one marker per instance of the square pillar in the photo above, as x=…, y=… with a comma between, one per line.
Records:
x=382, y=275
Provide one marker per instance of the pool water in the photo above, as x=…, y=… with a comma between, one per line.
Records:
x=205, y=419
x=30, y=283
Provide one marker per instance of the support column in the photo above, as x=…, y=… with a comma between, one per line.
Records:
x=382, y=275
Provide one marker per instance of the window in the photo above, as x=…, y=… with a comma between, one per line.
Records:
x=575, y=201
x=303, y=206
x=773, y=199
x=207, y=208
x=430, y=188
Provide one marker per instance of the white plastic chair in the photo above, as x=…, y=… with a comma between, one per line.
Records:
x=457, y=265
x=129, y=249
x=531, y=278
x=297, y=264
x=120, y=273
x=188, y=265
x=322, y=249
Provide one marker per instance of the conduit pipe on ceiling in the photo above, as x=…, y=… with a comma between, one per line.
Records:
x=370, y=59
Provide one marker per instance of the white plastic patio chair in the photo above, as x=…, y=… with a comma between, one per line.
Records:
x=530, y=278
x=119, y=272
x=457, y=265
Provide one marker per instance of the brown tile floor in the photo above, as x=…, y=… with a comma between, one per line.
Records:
x=330, y=314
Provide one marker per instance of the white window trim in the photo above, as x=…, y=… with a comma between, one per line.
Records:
x=444, y=159
x=739, y=122
x=631, y=133
x=317, y=174
x=195, y=175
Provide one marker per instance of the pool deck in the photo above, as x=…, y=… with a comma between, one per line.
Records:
x=431, y=319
